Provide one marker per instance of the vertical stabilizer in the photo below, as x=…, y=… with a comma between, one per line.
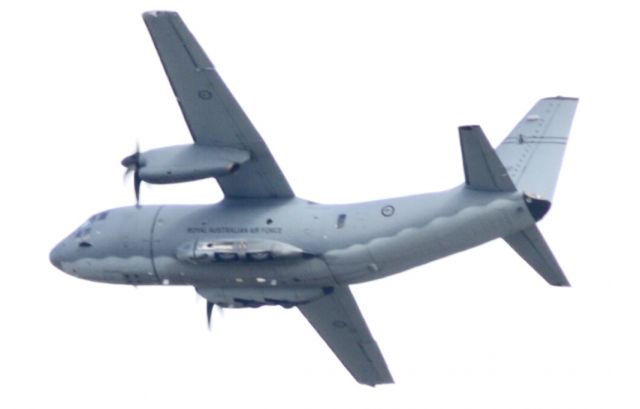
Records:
x=533, y=151
x=532, y=247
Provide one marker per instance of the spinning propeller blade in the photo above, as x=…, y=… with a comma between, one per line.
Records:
x=133, y=164
x=209, y=311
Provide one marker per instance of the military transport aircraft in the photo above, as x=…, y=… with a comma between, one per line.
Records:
x=262, y=245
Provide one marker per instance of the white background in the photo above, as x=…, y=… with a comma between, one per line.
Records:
x=357, y=101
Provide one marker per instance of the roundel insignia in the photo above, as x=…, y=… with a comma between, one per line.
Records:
x=204, y=94
x=388, y=211
x=339, y=324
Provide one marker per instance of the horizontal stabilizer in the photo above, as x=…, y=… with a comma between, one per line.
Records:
x=532, y=247
x=482, y=167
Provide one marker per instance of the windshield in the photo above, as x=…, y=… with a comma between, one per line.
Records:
x=85, y=228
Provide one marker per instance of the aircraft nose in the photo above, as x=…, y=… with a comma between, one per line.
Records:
x=56, y=255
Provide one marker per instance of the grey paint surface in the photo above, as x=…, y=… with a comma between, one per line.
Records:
x=261, y=245
x=210, y=110
x=533, y=151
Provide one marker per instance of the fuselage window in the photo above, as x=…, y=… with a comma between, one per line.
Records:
x=341, y=221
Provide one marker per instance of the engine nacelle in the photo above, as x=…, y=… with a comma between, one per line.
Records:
x=185, y=163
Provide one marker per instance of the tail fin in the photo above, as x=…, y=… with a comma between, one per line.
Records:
x=533, y=151
x=528, y=160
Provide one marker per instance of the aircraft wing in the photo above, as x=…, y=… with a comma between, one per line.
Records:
x=337, y=318
x=212, y=114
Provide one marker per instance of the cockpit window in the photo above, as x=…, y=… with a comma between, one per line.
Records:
x=97, y=217
x=83, y=231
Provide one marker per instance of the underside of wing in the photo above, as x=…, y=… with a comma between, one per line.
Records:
x=212, y=114
x=337, y=319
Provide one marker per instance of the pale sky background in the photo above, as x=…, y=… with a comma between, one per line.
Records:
x=357, y=101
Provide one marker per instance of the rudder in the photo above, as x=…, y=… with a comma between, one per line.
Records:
x=532, y=153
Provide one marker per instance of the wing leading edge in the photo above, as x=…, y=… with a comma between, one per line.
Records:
x=211, y=112
x=338, y=320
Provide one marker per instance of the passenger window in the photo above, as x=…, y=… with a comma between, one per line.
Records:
x=341, y=221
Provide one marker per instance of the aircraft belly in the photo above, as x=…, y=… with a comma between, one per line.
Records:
x=236, y=273
x=240, y=297
x=116, y=270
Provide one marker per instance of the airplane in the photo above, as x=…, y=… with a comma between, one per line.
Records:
x=261, y=245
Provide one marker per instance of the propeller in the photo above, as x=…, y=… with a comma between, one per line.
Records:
x=209, y=311
x=133, y=164
x=210, y=306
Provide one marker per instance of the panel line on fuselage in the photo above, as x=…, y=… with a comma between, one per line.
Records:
x=152, y=241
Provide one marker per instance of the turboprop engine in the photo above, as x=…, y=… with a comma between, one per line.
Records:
x=182, y=163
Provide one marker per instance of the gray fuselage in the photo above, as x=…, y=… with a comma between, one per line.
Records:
x=284, y=243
